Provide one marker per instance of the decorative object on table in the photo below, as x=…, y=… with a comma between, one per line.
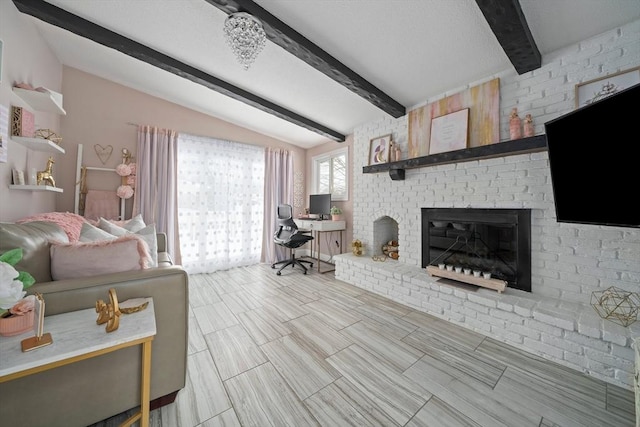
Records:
x=40, y=339
x=109, y=313
x=16, y=310
x=379, y=148
x=380, y=258
x=336, y=213
x=449, y=132
x=48, y=134
x=528, y=125
x=596, y=89
x=46, y=175
x=391, y=249
x=22, y=122
x=514, y=125
x=133, y=305
x=398, y=153
x=246, y=37
x=103, y=153
x=18, y=177
x=617, y=305
x=483, y=102
x=357, y=247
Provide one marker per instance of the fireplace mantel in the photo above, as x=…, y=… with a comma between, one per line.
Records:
x=506, y=148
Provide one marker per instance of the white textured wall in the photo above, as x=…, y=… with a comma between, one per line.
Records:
x=568, y=261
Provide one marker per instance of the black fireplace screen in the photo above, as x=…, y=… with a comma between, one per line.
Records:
x=495, y=241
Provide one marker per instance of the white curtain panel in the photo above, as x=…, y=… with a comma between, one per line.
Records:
x=220, y=203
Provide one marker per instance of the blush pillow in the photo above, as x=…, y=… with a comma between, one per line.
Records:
x=148, y=234
x=73, y=260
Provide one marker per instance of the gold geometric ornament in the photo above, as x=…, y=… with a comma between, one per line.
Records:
x=48, y=134
x=617, y=305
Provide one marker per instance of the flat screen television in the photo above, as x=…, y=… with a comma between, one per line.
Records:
x=320, y=204
x=594, y=159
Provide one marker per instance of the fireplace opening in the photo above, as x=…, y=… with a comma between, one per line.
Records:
x=495, y=241
x=385, y=231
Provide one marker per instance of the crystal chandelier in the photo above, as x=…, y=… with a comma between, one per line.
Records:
x=245, y=35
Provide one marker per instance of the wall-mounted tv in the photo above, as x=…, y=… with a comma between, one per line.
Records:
x=594, y=158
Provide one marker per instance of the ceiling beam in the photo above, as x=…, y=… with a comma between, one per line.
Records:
x=61, y=18
x=510, y=27
x=296, y=44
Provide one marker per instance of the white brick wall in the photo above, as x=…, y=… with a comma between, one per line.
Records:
x=569, y=262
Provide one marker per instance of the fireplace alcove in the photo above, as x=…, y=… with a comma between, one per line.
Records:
x=490, y=240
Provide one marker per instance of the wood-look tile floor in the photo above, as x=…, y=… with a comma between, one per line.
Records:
x=309, y=350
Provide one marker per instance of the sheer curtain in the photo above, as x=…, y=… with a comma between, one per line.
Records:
x=220, y=203
x=278, y=188
x=155, y=197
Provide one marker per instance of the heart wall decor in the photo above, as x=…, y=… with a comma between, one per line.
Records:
x=104, y=153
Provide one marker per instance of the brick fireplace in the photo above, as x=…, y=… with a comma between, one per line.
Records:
x=567, y=262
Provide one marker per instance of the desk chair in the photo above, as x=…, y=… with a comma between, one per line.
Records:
x=288, y=236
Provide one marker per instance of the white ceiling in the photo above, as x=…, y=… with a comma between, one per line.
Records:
x=409, y=49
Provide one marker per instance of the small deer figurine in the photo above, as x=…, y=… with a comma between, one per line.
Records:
x=47, y=175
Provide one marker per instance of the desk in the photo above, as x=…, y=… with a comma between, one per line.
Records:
x=317, y=228
x=76, y=337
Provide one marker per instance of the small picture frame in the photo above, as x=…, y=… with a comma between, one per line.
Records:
x=596, y=89
x=379, y=149
x=18, y=177
x=449, y=132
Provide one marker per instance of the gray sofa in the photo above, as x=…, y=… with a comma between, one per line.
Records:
x=92, y=390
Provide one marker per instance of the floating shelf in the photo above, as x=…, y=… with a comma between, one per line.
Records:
x=49, y=101
x=496, y=284
x=36, y=188
x=39, y=144
x=500, y=149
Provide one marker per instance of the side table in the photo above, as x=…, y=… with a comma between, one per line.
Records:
x=76, y=336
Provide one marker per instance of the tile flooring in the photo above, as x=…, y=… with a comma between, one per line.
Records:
x=309, y=350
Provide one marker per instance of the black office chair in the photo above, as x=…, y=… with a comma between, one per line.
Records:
x=288, y=236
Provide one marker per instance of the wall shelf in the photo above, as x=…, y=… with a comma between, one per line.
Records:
x=39, y=144
x=506, y=148
x=47, y=101
x=36, y=188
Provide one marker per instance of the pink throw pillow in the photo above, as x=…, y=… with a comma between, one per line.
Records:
x=73, y=260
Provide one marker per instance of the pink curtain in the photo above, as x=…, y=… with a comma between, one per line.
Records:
x=156, y=187
x=278, y=188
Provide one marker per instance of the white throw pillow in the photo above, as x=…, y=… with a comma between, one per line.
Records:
x=91, y=233
x=148, y=234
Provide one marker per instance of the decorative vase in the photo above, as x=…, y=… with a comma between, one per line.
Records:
x=528, y=125
x=15, y=324
x=514, y=125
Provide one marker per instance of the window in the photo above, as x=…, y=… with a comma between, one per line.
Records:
x=330, y=174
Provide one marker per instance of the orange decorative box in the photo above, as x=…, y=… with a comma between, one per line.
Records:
x=22, y=122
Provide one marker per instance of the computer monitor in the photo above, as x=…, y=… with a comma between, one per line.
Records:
x=320, y=204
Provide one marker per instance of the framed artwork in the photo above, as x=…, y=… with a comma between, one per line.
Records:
x=599, y=88
x=4, y=132
x=379, y=149
x=449, y=132
x=0, y=61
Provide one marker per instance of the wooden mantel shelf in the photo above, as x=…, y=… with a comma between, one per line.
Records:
x=507, y=148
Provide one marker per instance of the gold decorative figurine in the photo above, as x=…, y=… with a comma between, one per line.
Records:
x=109, y=313
x=46, y=175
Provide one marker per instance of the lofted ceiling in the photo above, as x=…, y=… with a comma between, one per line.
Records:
x=362, y=60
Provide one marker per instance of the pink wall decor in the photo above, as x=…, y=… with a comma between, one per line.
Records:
x=483, y=102
x=23, y=122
